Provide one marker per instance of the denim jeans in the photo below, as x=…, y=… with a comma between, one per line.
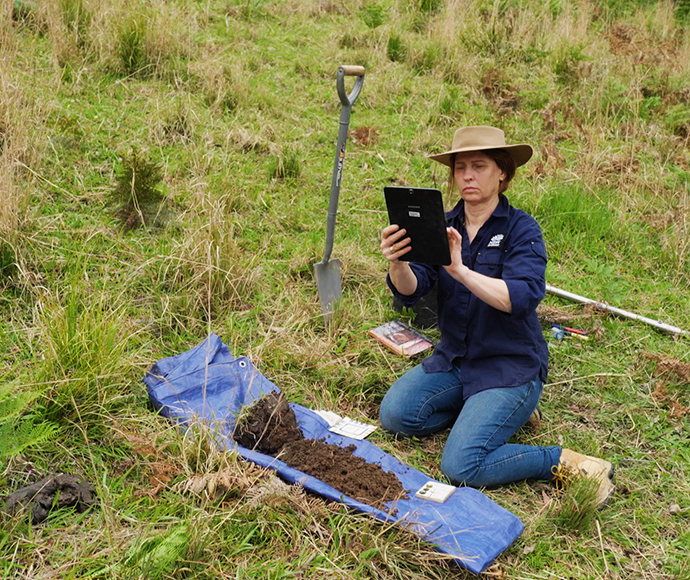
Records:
x=477, y=452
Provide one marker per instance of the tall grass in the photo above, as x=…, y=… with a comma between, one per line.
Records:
x=16, y=154
x=86, y=342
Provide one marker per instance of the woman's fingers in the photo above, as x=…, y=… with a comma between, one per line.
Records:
x=393, y=243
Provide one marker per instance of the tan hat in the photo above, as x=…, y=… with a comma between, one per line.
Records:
x=482, y=139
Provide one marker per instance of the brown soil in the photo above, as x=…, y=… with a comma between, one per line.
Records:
x=270, y=426
x=267, y=425
x=339, y=468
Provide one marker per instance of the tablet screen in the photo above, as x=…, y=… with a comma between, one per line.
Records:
x=420, y=211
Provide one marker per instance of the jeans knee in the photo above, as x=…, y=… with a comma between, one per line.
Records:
x=394, y=420
x=388, y=418
x=460, y=470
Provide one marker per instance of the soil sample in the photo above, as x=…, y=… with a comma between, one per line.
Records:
x=339, y=468
x=267, y=425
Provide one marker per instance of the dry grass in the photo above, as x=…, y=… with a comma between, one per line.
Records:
x=15, y=147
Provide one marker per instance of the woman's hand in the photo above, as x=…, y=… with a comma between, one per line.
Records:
x=493, y=291
x=455, y=244
x=393, y=243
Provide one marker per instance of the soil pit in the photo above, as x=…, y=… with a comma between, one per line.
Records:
x=270, y=426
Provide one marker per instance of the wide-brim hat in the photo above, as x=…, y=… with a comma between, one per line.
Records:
x=483, y=139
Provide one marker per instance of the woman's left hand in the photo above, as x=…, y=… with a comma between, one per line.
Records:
x=493, y=291
x=455, y=243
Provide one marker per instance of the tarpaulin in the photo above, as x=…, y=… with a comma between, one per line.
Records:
x=208, y=385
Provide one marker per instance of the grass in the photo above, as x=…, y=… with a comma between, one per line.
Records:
x=234, y=103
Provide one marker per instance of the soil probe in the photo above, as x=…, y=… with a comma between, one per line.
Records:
x=624, y=313
x=327, y=271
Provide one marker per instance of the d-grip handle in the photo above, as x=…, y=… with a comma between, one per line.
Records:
x=349, y=71
x=352, y=70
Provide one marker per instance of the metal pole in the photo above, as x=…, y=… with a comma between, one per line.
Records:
x=602, y=306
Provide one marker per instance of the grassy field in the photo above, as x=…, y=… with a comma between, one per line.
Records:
x=227, y=113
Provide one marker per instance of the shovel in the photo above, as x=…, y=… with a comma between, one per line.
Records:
x=327, y=271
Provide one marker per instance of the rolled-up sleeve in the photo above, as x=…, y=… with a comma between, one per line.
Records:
x=524, y=271
x=426, y=278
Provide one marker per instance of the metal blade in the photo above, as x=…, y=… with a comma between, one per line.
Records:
x=328, y=284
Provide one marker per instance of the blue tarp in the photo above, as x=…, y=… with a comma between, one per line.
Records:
x=207, y=384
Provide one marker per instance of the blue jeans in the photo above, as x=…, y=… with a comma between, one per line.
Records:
x=477, y=452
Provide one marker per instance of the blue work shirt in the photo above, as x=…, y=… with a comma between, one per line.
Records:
x=491, y=347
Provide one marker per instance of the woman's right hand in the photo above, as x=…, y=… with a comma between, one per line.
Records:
x=394, y=244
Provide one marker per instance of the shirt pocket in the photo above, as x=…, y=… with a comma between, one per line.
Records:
x=490, y=262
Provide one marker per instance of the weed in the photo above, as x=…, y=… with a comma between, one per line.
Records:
x=8, y=261
x=18, y=427
x=248, y=10
x=84, y=341
x=137, y=197
x=426, y=59
x=427, y=6
x=131, y=41
x=682, y=10
x=285, y=166
x=576, y=509
x=567, y=67
x=28, y=16
x=77, y=18
x=396, y=49
x=373, y=15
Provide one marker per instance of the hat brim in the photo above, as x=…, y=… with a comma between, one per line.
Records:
x=521, y=154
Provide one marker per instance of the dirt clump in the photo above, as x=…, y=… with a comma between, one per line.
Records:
x=270, y=426
x=267, y=425
x=51, y=493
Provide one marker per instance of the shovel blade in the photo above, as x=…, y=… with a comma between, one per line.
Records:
x=328, y=284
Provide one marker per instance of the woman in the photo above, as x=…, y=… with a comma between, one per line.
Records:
x=485, y=377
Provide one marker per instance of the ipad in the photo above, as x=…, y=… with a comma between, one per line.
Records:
x=420, y=211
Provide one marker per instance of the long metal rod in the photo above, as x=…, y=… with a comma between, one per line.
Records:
x=602, y=306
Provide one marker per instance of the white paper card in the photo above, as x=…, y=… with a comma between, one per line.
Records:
x=435, y=491
x=353, y=429
x=330, y=417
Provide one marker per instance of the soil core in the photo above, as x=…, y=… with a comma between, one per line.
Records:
x=270, y=426
x=267, y=425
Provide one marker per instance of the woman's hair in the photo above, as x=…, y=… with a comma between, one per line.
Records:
x=504, y=161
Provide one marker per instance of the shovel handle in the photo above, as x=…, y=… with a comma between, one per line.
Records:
x=349, y=71
x=352, y=70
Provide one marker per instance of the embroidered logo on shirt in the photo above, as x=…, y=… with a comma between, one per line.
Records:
x=496, y=241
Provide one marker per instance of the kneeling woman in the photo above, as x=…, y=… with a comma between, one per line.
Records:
x=485, y=377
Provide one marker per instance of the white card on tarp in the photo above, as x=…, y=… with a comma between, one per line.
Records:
x=435, y=491
x=330, y=417
x=353, y=429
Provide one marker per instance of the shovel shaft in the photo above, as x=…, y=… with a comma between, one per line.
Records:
x=347, y=101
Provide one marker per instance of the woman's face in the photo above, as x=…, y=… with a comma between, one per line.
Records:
x=477, y=177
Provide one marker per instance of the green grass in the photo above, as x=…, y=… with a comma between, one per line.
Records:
x=235, y=105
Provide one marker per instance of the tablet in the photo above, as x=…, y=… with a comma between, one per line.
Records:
x=420, y=211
